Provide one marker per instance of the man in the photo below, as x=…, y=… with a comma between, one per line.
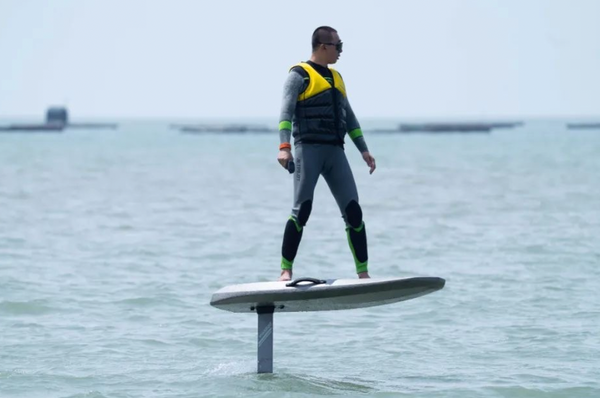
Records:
x=316, y=105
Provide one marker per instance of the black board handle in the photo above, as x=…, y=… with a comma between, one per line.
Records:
x=295, y=282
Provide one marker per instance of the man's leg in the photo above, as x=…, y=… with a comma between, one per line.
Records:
x=306, y=175
x=341, y=182
x=357, y=237
x=291, y=239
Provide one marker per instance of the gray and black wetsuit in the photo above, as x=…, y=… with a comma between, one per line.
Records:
x=319, y=123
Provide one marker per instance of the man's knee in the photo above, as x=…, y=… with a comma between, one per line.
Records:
x=304, y=212
x=353, y=214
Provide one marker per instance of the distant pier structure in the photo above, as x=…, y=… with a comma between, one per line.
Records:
x=222, y=128
x=579, y=126
x=450, y=127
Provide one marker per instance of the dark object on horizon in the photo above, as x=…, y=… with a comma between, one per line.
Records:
x=56, y=115
x=583, y=125
x=57, y=119
x=449, y=127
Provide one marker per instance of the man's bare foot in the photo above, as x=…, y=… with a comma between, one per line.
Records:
x=286, y=275
x=363, y=275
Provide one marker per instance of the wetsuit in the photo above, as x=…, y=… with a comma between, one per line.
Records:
x=316, y=110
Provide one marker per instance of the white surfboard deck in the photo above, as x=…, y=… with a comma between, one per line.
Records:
x=330, y=294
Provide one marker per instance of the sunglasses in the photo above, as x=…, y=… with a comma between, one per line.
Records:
x=338, y=46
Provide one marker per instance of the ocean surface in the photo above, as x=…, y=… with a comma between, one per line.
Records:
x=112, y=243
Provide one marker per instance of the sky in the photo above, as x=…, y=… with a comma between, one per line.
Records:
x=199, y=59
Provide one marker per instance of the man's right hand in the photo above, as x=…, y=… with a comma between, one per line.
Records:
x=284, y=156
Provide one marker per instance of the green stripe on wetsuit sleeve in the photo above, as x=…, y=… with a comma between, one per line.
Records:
x=355, y=133
x=285, y=125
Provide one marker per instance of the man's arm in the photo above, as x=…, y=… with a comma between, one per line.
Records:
x=354, y=130
x=291, y=89
x=356, y=134
x=293, y=86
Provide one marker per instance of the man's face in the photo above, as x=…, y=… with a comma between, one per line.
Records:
x=333, y=49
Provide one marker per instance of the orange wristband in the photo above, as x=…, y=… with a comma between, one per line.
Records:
x=284, y=146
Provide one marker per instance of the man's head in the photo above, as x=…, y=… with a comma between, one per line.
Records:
x=326, y=44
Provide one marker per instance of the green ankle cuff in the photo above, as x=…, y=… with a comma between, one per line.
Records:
x=362, y=267
x=285, y=264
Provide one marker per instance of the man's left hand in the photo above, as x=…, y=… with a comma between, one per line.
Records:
x=370, y=160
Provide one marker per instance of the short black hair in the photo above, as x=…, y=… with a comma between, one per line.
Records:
x=323, y=34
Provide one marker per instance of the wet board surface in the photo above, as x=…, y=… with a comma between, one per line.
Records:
x=310, y=294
